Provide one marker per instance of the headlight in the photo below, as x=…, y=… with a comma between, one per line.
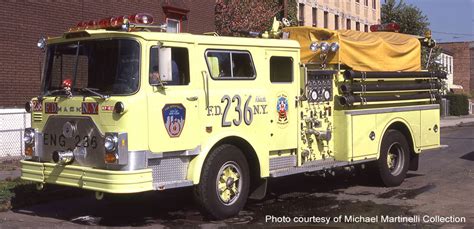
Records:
x=314, y=46
x=29, y=136
x=110, y=143
x=334, y=47
x=324, y=47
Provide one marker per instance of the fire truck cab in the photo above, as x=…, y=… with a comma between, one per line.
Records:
x=126, y=110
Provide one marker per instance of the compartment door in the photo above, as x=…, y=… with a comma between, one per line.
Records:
x=430, y=128
x=362, y=144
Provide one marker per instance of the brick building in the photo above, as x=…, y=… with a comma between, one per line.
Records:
x=24, y=22
x=463, y=63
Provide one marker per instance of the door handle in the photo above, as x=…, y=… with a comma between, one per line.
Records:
x=192, y=98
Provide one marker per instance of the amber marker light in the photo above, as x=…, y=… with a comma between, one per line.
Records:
x=110, y=157
x=29, y=151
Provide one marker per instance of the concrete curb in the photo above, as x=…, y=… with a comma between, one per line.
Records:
x=456, y=122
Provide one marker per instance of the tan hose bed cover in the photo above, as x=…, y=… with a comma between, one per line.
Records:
x=379, y=51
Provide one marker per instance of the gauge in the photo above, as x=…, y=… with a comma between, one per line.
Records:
x=314, y=95
x=327, y=95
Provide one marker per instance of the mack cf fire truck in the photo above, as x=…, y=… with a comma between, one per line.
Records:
x=126, y=108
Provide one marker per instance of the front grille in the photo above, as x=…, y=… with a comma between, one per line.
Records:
x=85, y=140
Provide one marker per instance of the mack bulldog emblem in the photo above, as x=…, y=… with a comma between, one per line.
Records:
x=174, y=116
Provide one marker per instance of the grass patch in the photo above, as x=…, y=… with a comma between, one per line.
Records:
x=7, y=191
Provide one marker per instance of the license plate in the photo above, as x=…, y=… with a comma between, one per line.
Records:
x=75, y=141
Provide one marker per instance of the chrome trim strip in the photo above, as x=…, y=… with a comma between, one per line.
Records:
x=172, y=184
x=392, y=109
x=136, y=160
x=315, y=166
x=39, y=138
x=180, y=153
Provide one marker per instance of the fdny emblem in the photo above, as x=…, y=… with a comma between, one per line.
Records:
x=282, y=109
x=174, y=116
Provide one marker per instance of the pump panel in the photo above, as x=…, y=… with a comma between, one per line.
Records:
x=319, y=86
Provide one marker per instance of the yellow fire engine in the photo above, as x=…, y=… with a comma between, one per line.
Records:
x=126, y=110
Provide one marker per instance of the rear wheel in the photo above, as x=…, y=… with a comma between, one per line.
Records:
x=224, y=185
x=392, y=165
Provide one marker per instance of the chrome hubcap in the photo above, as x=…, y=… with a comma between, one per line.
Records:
x=395, y=159
x=229, y=183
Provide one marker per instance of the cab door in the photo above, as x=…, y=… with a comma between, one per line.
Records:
x=282, y=91
x=173, y=99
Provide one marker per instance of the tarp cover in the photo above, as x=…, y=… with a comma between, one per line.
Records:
x=379, y=51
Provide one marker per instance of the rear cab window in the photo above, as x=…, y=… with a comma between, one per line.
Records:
x=227, y=64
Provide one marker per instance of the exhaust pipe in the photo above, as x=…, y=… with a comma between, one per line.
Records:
x=63, y=157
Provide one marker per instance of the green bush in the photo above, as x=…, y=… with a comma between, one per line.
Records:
x=458, y=104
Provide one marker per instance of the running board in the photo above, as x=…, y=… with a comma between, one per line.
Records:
x=172, y=184
x=315, y=166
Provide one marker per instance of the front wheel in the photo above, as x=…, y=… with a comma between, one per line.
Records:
x=224, y=185
x=394, y=159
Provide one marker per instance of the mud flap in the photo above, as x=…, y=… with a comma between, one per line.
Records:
x=414, y=162
x=260, y=190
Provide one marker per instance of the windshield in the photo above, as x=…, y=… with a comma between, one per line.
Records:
x=109, y=67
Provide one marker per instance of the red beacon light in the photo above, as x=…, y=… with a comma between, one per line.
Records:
x=92, y=24
x=106, y=22
x=121, y=22
x=387, y=27
x=117, y=21
x=141, y=18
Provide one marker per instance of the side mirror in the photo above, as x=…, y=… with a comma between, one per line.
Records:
x=164, y=57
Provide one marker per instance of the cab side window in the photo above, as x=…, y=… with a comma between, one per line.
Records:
x=281, y=69
x=230, y=64
x=179, y=67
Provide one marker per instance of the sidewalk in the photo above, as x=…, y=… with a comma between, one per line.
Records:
x=456, y=120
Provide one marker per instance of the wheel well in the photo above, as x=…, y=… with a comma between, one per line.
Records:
x=406, y=132
x=250, y=155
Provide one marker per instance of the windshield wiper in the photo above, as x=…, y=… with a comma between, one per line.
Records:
x=93, y=91
x=51, y=92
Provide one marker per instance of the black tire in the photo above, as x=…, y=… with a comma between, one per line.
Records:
x=395, y=146
x=225, y=158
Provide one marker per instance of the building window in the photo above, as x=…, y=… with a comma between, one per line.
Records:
x=301, y=11
x=174, y=18
x=336, y=22
x=281, y=69
x=366, y=28
x=348, y=23
x=326, y=15
x=366, y=2
x=374, y=4
x=315, y=17
x=173, y=25
x=358, y=26
x=357, y=1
